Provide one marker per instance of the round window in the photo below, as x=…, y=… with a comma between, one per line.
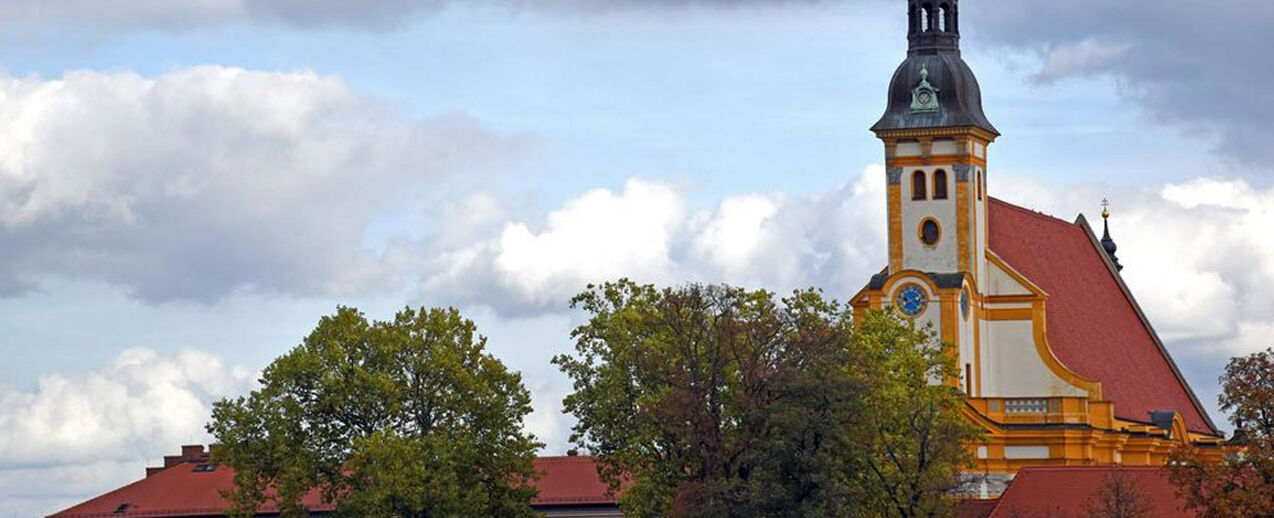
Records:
x=929, y=232
x=911, y=300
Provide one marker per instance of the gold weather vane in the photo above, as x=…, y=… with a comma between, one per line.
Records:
x=1105, y=208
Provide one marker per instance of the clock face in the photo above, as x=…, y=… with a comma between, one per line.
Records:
x=924, y=98
x=911, y=300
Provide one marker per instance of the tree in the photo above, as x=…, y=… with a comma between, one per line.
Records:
x=1119, y=496
x=1241, y=484
x=717, y=401
x=409, y=417
x=913, y=432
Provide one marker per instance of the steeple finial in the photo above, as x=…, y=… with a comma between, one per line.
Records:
x=1107, y=243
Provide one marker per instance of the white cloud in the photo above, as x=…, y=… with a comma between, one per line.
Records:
x=596, y=237
x=80, y=434
x=646, y=233
x=204, y=181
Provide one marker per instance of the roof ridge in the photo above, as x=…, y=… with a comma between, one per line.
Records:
x=566, y=458
x=1100, y=467
x=1032, y=212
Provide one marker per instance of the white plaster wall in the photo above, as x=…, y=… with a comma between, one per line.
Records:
x=944, y=147
x=1026, y=452
x=941, y=258
x=908, y=149
x=1013, y=368
x=966, y=346
x=1000, y=283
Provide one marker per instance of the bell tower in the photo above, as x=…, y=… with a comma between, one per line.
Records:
x=936, y=138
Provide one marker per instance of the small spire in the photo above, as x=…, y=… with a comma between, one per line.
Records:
x=1107, y=243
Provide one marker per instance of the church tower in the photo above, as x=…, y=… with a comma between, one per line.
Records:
x=1056, y=359
x=936, y=139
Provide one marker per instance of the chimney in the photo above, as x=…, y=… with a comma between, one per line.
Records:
x=189, y=453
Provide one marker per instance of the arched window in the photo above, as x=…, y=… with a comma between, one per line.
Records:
x=918, y=186
x=940, y=185
x=980, y=185
x=926, y=17
x=942, y=18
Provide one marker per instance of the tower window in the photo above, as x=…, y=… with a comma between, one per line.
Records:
x=968, y=380
x=942, y=18
x=929, y=232
x=980, y=184
x=940, y=185
x=918, y=186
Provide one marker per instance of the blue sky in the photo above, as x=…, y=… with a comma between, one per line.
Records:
x=186, y=190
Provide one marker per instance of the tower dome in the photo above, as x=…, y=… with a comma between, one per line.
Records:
x=933, y=87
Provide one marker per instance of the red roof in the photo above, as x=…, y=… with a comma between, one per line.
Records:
x=1093, y=324
x=973, y=508
x=181, y=490
x=1072, y=491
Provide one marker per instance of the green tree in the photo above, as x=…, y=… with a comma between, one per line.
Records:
x=409, y=417
x=717, y=401
x=1241, y=483
x=913, y=435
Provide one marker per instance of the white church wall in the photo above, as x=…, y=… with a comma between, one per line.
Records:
x=1012, y=366
x=1000, y=282
x=917, y=255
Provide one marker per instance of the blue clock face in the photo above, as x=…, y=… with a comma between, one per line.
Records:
x=911, y=300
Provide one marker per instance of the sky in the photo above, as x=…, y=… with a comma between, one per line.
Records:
x=186, y=187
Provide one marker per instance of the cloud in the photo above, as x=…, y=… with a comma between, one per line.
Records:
x=77, y=434
x=203, y=181
x=645, y=232
x=1192, y=64
x=116, y=16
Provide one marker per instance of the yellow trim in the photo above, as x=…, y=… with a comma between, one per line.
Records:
x=1012, y=299
x=977, y=345
x=962, y=225
x=908, y=275
x=1093, y=387
x=926, y=160
x=1016, y=275
x=999, y=314
x=895, y=227
x=1039, y=326
x=929, y=133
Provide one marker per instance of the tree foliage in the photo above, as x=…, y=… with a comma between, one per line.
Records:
x=409, y=417
x=1242, y=483
x=717, y=401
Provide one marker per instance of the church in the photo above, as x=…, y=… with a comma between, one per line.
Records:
x=1058, y=363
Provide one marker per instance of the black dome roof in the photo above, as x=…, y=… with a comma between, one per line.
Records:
x=934, y=56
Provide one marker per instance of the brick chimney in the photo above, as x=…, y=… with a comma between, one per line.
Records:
x=192, y=453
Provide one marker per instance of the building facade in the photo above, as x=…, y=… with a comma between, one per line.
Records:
x=1057, y=360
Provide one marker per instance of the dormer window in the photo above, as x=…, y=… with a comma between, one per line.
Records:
x=940, y=185
x=918, y=186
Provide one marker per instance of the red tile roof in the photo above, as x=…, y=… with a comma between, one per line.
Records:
x=973, y=508
x=181, y=491
x=1093, y=324
x=1071, y=491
